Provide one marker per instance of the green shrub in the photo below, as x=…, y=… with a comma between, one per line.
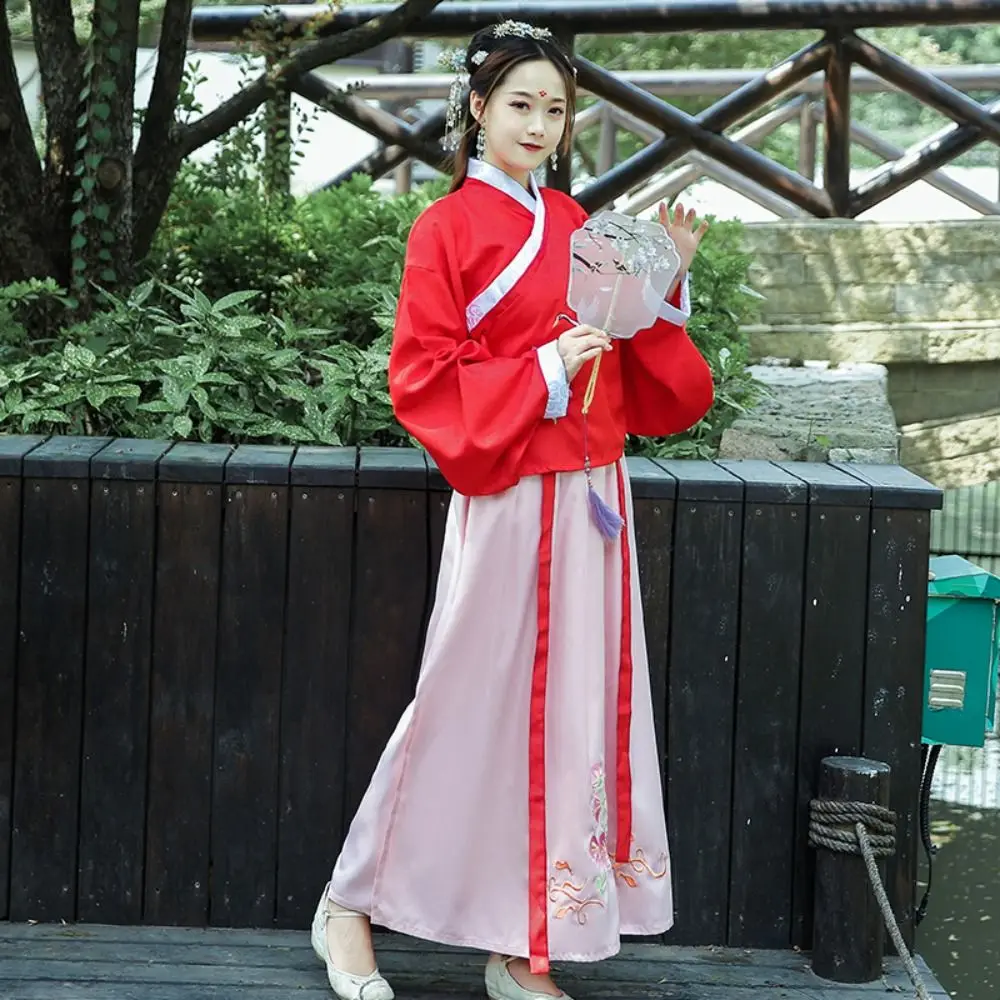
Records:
x=316, y=261
x=213, y=371
x=269, y=320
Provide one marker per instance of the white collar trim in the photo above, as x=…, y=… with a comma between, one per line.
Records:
x=478, y=309
x=481, y=171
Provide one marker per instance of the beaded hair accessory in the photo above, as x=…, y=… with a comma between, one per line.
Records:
x=458, y=61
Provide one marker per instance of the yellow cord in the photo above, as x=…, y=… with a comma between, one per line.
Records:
x=588, y=396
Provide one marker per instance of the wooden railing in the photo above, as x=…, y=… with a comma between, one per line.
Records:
x=203, y=651
x=674, y=133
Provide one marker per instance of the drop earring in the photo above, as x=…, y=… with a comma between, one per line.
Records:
x=554, y=160
x=481, y=143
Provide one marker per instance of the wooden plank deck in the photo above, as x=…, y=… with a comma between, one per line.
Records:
x=93, y=962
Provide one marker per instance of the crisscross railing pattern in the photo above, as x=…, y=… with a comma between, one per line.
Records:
x=671, y=133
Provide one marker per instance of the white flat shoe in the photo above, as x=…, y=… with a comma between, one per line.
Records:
x=501, y=985
x=345, y=985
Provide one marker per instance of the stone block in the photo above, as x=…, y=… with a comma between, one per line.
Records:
x=902, y=268
x=881, y=343
x=814, y=409
x=776, y=270
x=846, y=236
x=965, y=470
x=838, y=303
x=937, y=439
x=957, y=344
x=958, y=300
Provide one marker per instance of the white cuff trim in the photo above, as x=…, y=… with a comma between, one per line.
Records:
x=674, y=315
x=554, y=373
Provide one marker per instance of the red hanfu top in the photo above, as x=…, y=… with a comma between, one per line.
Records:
x=471, y=389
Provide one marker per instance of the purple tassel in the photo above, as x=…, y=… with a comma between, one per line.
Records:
x=609, y=522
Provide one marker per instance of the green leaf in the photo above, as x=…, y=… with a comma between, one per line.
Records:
x=82, y=120
x=106, y=88
x=79, y=356
x=93, y=160
x=101, y=110
x=233, y=299
x=102, y=134
x=107, y=236
x=88, y=184
x=81, y=143
x=104, y=254
x=107, y=274
x=79, y=264
x=102, y=213
x=78, y=242
x=109, y=26
x=182, y=425
x=115, y=53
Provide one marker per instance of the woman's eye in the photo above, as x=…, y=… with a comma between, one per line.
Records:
x=557, y=111
x=520, y=105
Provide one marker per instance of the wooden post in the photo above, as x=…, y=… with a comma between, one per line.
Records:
x=847, y=926
x=562, y=177
x=837, y=133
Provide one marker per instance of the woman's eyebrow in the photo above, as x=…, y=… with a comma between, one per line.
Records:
x=525, y=93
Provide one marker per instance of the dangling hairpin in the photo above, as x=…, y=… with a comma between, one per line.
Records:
x=454, y=59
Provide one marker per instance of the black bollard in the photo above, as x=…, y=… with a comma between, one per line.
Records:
x=847, y=929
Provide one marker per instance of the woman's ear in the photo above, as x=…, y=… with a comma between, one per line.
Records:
x=476, y=105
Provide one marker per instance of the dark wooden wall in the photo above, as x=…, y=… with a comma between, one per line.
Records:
x=203, y=651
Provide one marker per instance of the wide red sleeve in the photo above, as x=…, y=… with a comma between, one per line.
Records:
x=474, y=412
x=666, y=382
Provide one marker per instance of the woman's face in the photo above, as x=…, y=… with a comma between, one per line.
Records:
x=524, y=119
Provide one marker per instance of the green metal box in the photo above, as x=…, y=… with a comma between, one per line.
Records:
x=961, y=663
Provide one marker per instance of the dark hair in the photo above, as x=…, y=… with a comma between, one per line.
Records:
x=503, y=54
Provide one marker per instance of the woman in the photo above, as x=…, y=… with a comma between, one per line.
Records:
x=517, y=808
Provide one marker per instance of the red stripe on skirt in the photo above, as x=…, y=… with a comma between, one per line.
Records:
x=538, y=860
x=623, y=772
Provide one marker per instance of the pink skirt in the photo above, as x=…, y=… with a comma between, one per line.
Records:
x=492, y=817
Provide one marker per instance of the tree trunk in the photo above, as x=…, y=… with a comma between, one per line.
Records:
x=25, y=246
x=88, y=213
x=101, y=221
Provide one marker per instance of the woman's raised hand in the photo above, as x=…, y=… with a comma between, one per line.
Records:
x=579, y=345
x=683, y=232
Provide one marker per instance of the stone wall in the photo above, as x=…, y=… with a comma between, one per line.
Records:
x=923, y=300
